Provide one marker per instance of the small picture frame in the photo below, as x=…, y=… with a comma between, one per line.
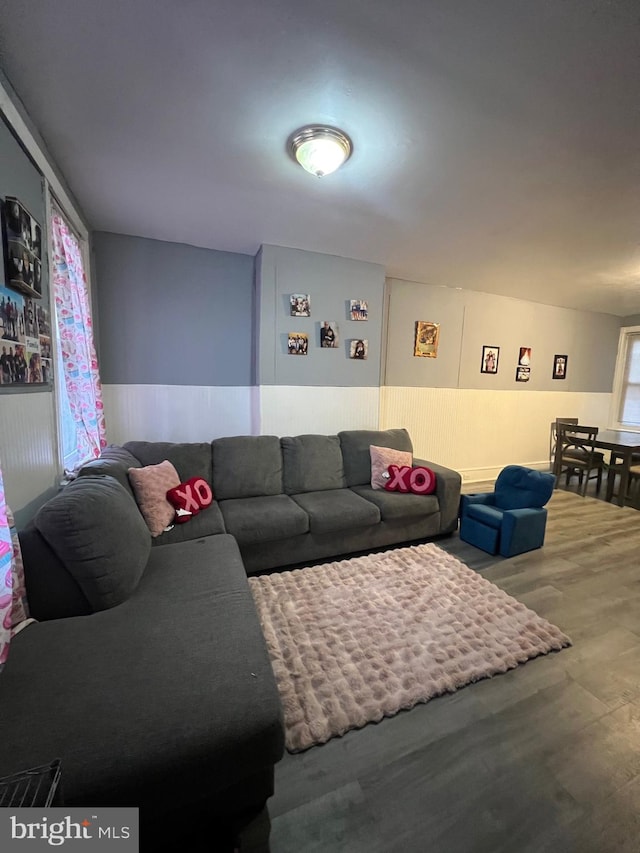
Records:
x=297, y=343
x=300, y=305
x=329, y=334
x=523, y=374
x=358, y=309
x=560, y=366
x=524, y=358
x=490, y=357
x=359, y=349
x=22, y=243
x=426, y=340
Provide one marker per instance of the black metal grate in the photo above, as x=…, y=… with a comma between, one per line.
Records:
x=36, y=787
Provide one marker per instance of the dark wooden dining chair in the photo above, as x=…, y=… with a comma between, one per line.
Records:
x=614, y=468
x=553, y=437
x=576, y=454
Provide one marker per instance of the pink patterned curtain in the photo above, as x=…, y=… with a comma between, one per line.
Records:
x=6, y=578
x=75, y=334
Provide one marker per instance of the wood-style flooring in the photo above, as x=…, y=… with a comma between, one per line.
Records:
x=542, y=759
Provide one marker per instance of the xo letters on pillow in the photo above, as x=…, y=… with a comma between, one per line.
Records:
x=419, y=480
x=189, y=498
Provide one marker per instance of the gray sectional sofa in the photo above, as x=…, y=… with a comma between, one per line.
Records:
x=148, y=674
x=296, y=499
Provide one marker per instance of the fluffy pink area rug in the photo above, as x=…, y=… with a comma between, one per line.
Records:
x=357, y=640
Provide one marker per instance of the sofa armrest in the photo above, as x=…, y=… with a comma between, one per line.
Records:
x=485, y=498
x=448, y=484
x=522, y=530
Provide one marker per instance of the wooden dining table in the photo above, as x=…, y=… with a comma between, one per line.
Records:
x=623, y=444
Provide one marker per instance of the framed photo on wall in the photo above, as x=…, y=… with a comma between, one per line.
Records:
x=358, y=309
x=297, y=343
x=359, y=349
x=560, y=366
x=524, y=358
x=25, y=342
x=329, y=334
x=22, y=241
x=300, y=305
x=426, y=341
x=490, y=356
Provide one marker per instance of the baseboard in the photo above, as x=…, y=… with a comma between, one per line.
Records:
x=480, y=475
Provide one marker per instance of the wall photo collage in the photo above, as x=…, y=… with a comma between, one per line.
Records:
x=427, y=338
x=329, y=336
x=491, y=354
x=25, y=325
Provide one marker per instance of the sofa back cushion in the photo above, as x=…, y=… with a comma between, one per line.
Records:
x=312, y=463
x=96, y=531
x=355, y=446
x=247, y=466
x=114, y=461
x=190, y=459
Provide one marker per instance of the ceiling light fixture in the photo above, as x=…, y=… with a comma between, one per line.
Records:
x=320, y=149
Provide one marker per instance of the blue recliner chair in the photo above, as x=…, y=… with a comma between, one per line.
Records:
x=511, y=519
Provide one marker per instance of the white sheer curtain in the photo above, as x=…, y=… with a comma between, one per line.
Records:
x=82, y=393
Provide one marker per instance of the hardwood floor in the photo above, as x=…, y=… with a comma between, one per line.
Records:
x=542, y=759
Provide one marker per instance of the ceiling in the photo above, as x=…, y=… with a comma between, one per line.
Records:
x=496, y=143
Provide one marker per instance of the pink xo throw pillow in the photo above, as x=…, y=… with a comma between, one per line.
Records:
x=381, y=458
x=189, y=498
x=419, y=480
x=150, y=486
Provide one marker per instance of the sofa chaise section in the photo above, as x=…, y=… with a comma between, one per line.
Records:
x=162, y=695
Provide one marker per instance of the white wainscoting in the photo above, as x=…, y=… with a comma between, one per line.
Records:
x=178, y=412
x=28, y=447
x=476, y=432
x=301, y=409
x=479, y=432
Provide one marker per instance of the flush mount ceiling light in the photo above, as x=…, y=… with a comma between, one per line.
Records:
x=320, y=149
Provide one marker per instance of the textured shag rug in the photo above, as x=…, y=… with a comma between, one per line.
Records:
x=357, y=640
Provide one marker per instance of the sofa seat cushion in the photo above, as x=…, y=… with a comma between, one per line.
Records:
x=486, y=514
x=312, y=463
x=263, y=519
x=396, y=506
x=246, y=466
x=175, y=685
x=207, y=522
x=337, y=509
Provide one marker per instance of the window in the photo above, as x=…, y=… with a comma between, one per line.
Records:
x=626, y=387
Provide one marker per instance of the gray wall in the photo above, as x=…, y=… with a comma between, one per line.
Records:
x=331, y=282
x=171, y=314
x=469, y=320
